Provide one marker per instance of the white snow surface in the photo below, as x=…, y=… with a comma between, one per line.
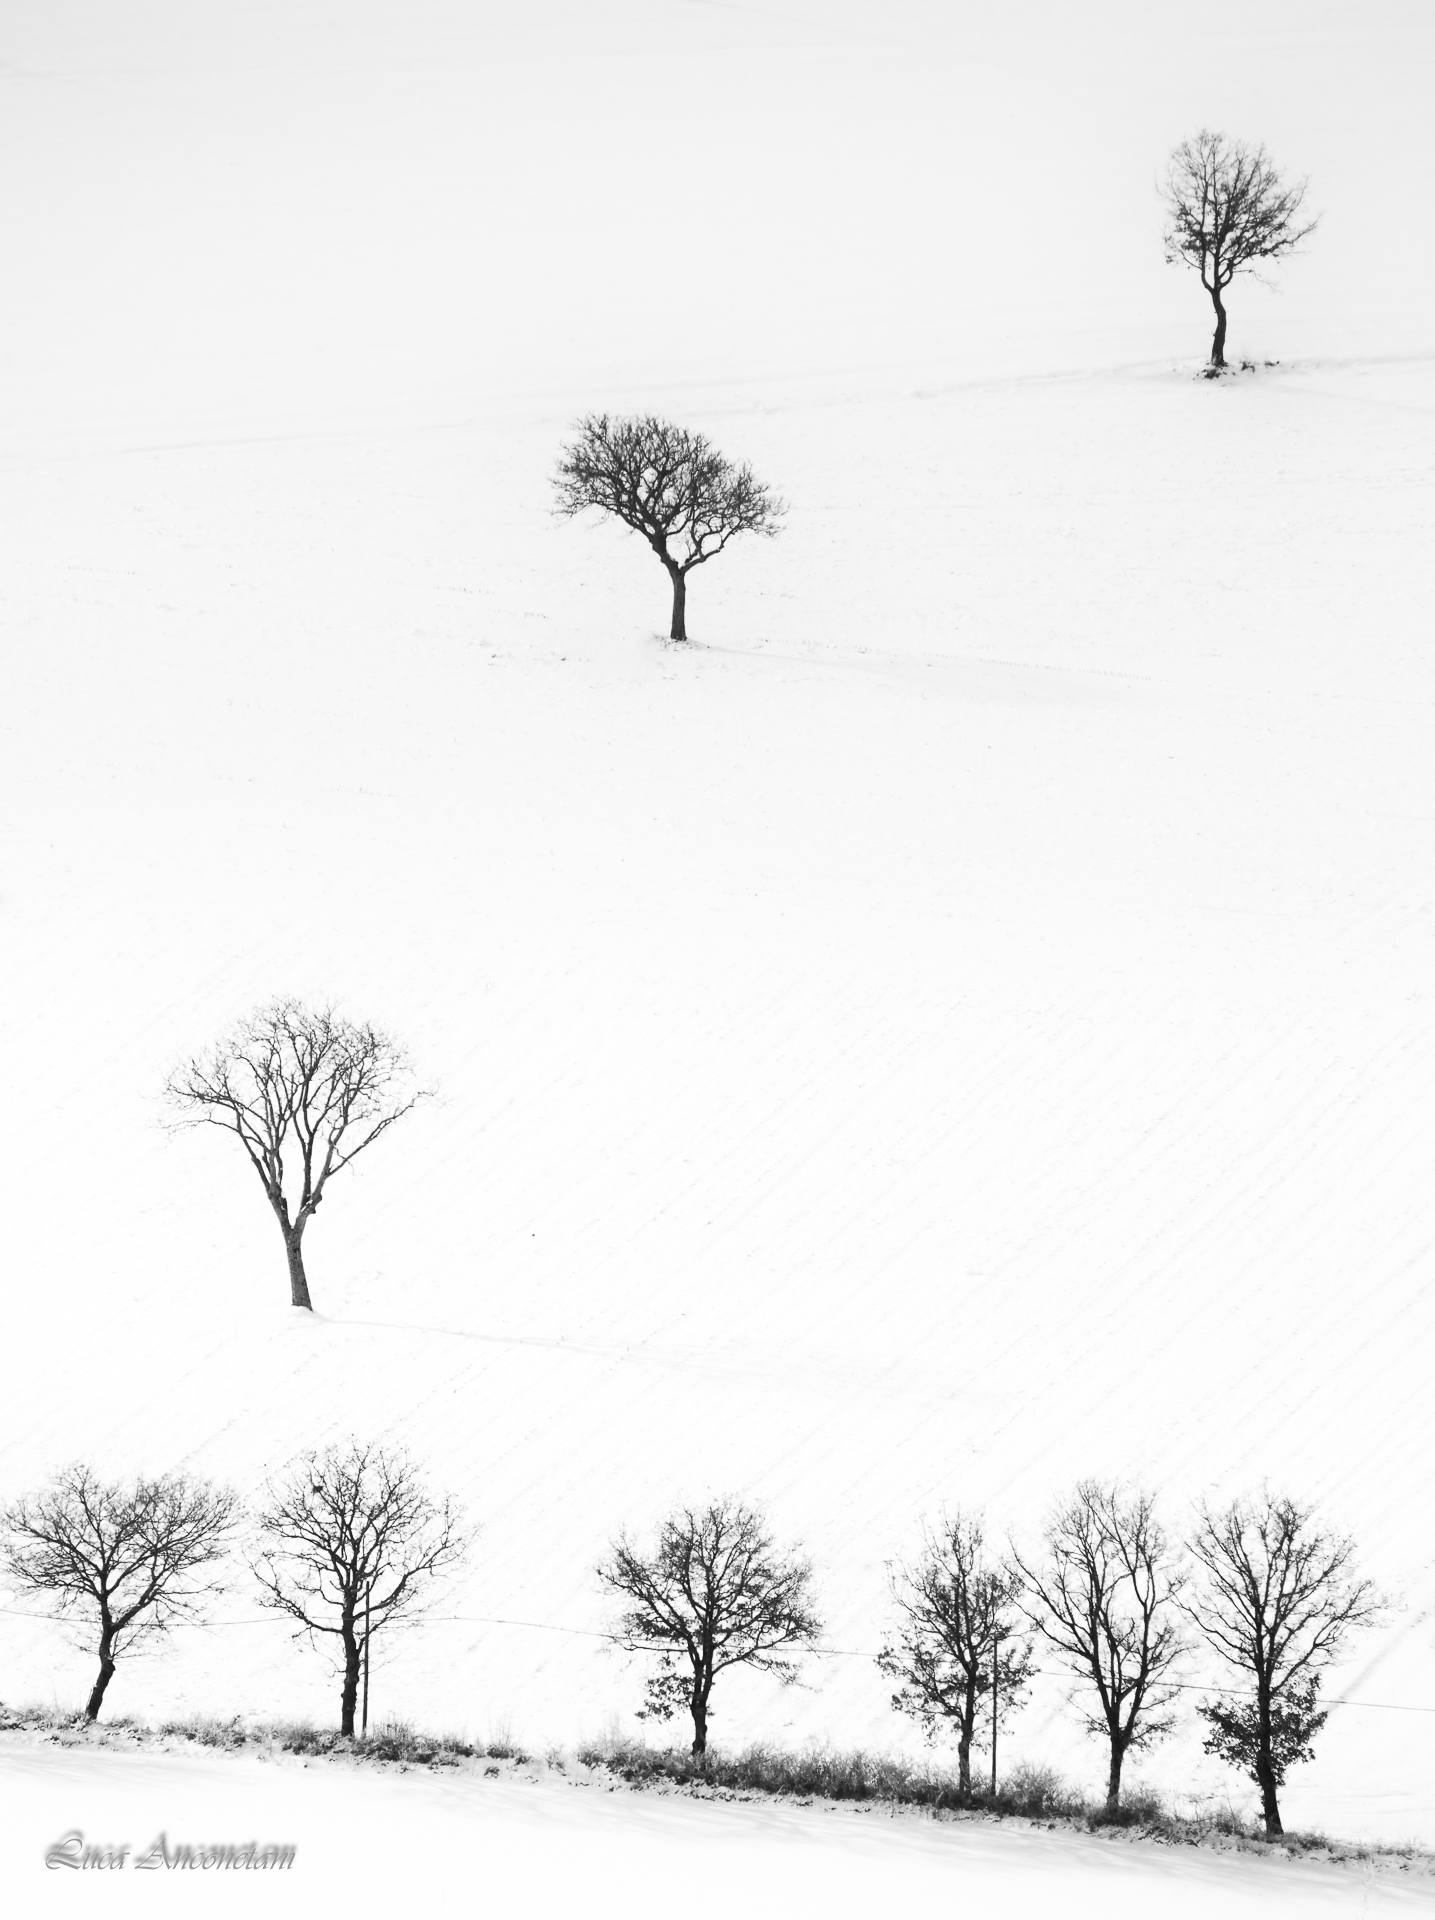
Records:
x=538, y=1848
x=961, y=1024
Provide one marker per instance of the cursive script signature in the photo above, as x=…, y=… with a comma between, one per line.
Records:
x=73, y=1850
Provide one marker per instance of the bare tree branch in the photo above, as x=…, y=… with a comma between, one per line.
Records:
x=1228, y=210
x=303, y=1081
x=1279, y=1600
x=957, y=1633
x=714, y=1594
x=1103, y=1599
x=126, y=1556
x=351, y=1537
x=668, y=485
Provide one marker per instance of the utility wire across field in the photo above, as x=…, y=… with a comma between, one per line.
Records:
x=836, y=1653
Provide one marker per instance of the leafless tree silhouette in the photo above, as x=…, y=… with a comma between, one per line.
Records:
x=300, y=1082
x=351, y=1539
x=956, y=1646
x=125, y=1555
x=1104, y=1599
x=714, y=1593
x=1227, y=211
x=1279, y=1600
x=671, y=486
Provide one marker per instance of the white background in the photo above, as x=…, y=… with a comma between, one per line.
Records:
x=962, y=1024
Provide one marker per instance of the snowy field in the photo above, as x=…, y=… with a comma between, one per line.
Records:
x=536, y=1848
x=964, y=1023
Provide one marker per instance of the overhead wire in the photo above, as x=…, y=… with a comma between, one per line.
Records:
x=839, y=1653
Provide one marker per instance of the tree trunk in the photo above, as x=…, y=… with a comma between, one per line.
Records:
x=1266, y=1781
x=1218, y=344
x=699, y=1705
x=1113, y=1778
x=680, y=605
x=106, y=1674
x=348, y=1700
x=1270, y=1810
x=966, y=1732
x=298, y=1284
x=364, y=1719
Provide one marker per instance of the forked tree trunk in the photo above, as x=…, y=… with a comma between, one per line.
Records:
x=1218, y=343
x=106, y=1674
x=298, y=1282
x=680, y=605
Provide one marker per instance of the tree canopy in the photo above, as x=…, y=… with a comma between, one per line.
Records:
x=669, y=485
x=1228, y=210
x=714, y=1593
x=304, y=1091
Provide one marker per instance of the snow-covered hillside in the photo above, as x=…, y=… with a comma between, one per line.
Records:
x=534, y=1845
x=962, y=1024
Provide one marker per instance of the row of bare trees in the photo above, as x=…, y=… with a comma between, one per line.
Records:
x=305, y=1091
x=349, y=1541
x=346, y=1543
x=1268, y=1589
x=1118, y=1602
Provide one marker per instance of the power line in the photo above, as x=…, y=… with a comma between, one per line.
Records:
x=822, y=1653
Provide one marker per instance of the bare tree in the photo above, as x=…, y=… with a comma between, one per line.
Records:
x=1280, y=1598
x=1104, y=1599
x=955, y=1651
x=1228, y=210
x=714, y=1593
x=125, y=1555
x=671, y=486
x=352, y=1536
x=304, y=1092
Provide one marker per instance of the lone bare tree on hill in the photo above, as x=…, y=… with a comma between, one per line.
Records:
x=671, y=486
x=1228, y=210
x=955, y=1652
x=714, y=1593
x=1281, y=1596
x=351, y=1537
x=300, y=1082
x=1104, y=1600
x=124, y=1555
